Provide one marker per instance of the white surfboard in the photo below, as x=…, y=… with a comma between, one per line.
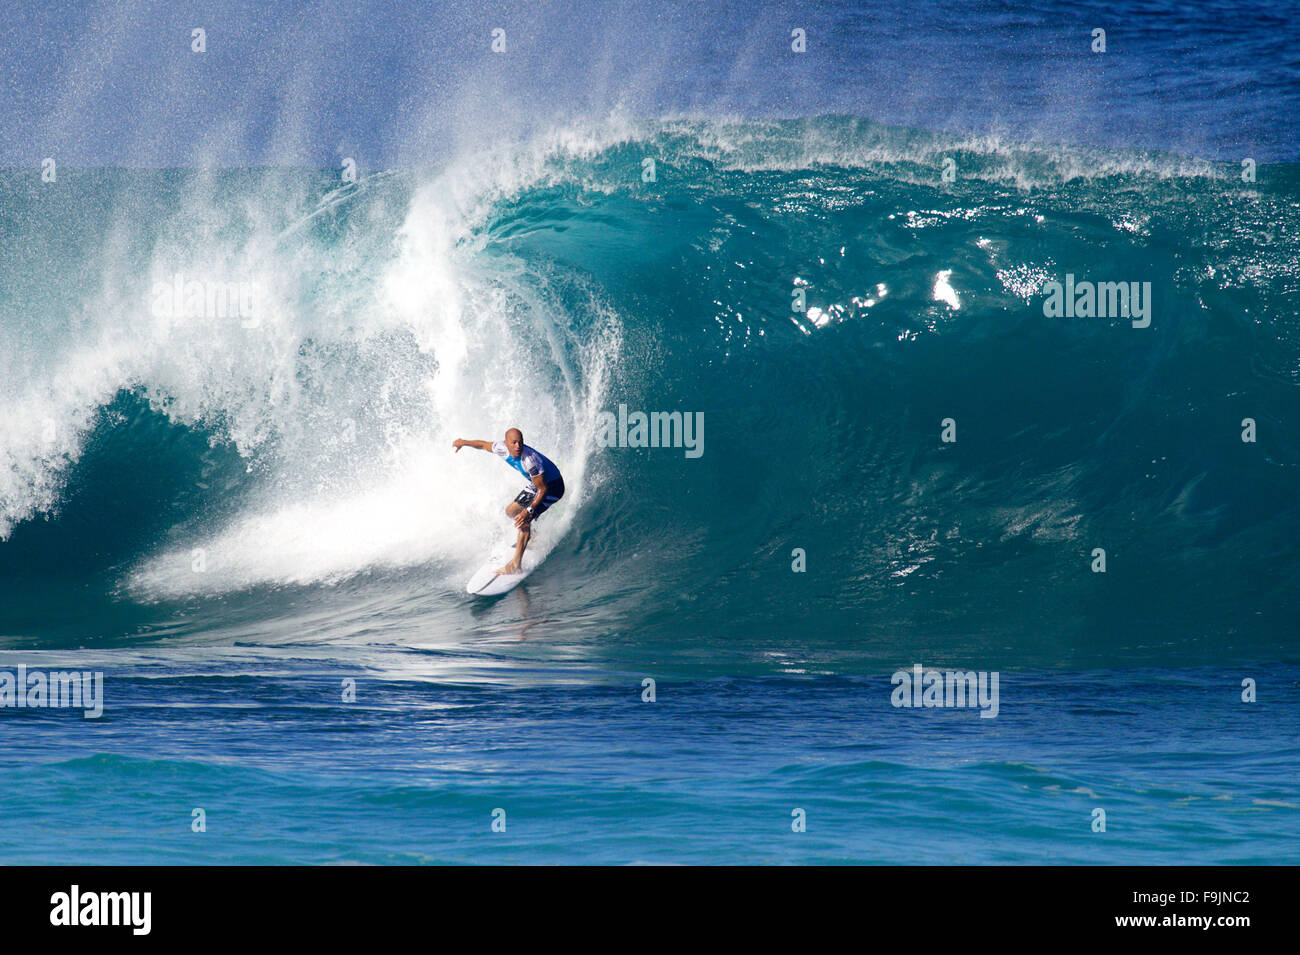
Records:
x=486, y=582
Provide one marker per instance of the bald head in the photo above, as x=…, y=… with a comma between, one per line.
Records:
x=515, y=442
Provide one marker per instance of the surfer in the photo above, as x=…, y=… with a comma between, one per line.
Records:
x=546, y=488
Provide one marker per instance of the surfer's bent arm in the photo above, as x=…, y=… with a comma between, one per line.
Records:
x=471, y=443
x=539, y=481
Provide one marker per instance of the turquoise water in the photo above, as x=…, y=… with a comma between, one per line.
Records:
x=711, y=771
x=230, y=515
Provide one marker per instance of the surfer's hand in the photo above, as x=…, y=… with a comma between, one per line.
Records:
x=522, y=518
x=458, y=444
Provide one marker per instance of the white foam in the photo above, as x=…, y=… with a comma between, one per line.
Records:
x=943, y=290
x=367, y=358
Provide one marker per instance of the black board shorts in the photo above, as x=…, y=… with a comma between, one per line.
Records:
x=554, y=491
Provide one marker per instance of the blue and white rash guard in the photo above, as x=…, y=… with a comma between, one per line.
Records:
x=530, y=463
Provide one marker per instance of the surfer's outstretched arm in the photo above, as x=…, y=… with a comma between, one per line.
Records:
x=471, y=443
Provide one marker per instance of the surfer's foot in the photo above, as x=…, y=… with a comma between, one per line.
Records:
x=510, y=568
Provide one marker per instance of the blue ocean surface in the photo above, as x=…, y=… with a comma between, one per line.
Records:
x=581, y=770
x=242, y=508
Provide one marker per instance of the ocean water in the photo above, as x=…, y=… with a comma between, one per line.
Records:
x=251, y=521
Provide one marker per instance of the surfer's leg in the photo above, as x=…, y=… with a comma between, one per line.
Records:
x=521, y=544
x=521, y=541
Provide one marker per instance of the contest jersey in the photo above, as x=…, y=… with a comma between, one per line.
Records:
x=530, y=462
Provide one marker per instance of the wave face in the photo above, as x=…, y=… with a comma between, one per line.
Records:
x=283, y=472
